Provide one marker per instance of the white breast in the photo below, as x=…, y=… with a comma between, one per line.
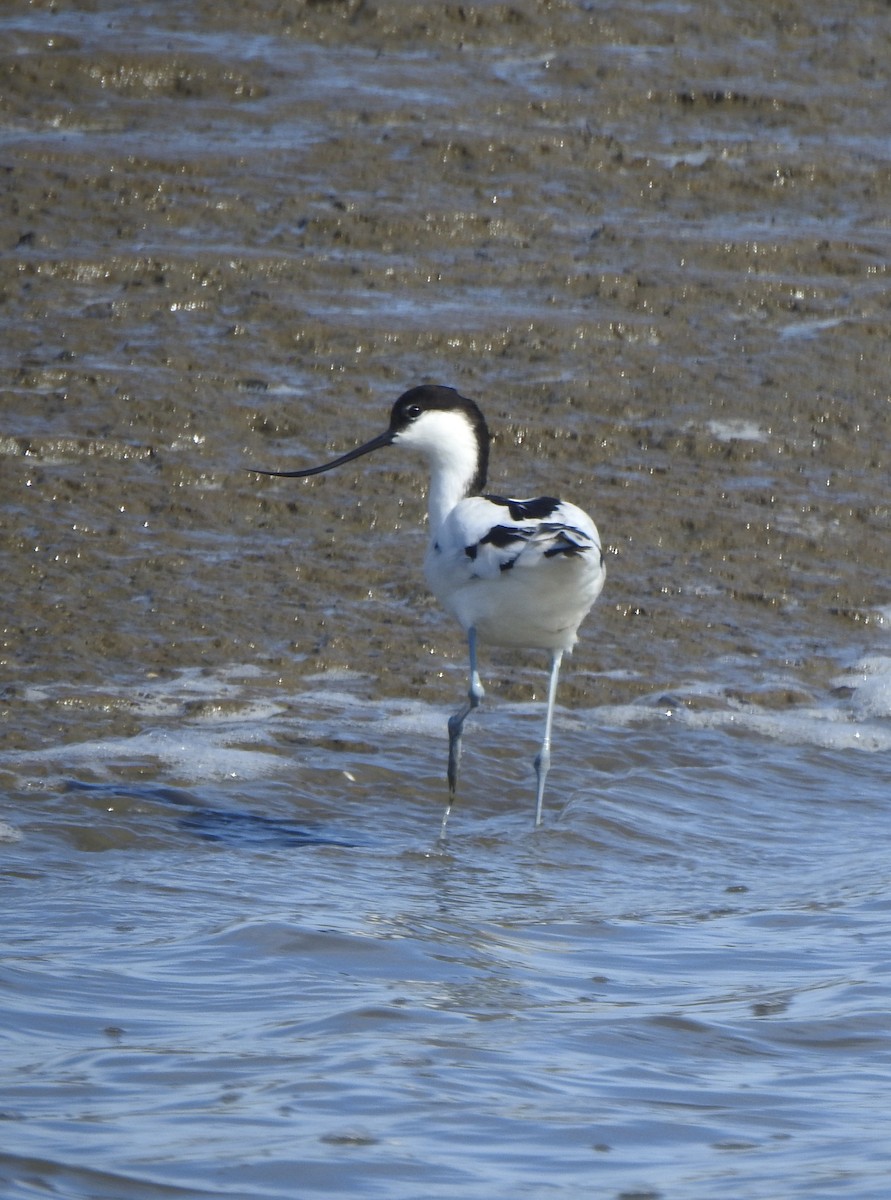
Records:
x=521, y=572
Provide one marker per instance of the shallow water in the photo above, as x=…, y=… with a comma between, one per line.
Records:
x=653, y=242
x=276, y=982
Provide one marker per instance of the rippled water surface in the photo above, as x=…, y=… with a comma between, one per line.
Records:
x=653, y=242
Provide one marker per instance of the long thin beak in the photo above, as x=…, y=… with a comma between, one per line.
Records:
x=383, y=439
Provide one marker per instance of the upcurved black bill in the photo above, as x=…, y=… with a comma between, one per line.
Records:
x=383, y=439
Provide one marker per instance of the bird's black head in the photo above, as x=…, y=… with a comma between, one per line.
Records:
x=405, y=417
x=434, y=397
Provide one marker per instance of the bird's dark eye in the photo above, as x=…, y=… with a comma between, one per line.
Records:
x=413, y=411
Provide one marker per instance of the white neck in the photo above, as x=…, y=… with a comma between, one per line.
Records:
x=448, y=442
x=447, y=487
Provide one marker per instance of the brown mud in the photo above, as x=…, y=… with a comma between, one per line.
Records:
x=652, y=241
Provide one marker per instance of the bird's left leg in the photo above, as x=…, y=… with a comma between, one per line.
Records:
x=456, y=725
x=543, y=758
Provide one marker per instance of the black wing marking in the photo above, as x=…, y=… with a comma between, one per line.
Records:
x=503, y=545
x=565, y=540
x=527, y=510
x=503, y=536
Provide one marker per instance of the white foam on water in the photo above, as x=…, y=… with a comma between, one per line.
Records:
x=850, y=727
x=870, y=678
x=337, y=675
x=814, y=727
x=809, y=329
x=858, y=723
x=321, y=707
x=210, y=728
x=190, y=753
x=193, y=692
x=732, y=430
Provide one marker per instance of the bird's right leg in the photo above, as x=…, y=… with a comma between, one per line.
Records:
x=456, y=725
x=543, y=758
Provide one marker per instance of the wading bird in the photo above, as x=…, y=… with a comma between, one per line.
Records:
x=512, y=572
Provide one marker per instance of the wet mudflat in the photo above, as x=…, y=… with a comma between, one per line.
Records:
x=652, y=241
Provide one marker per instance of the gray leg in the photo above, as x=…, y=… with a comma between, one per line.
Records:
x=543, y=758
x=456, y=725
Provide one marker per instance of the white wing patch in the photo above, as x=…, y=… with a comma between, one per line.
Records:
x=493, y=535
x=519, y=572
